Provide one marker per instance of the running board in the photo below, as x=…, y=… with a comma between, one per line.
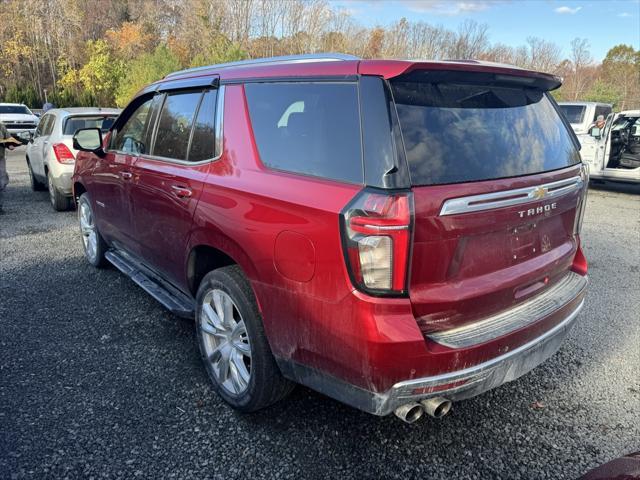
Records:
x=170, y=297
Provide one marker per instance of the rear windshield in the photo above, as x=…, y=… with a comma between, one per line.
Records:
x=21, y=109
x=457, y=133
x=73, y=124
x=573, y=113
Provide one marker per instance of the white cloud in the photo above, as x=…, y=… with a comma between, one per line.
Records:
x=443, y=7
x=567, y=10
x=624, y=14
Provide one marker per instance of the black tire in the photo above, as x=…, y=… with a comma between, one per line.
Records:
x=36, y=185
x=98, y=259
x=58, y=201
x=266, y=384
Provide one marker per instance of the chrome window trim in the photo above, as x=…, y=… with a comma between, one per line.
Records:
x=508, y=198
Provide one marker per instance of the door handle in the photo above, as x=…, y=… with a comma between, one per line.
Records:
x=126, y=175
x=181, y=192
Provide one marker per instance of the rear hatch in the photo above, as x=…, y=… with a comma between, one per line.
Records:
x=497, y=185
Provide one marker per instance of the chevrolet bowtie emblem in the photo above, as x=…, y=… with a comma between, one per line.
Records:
x=539, y=193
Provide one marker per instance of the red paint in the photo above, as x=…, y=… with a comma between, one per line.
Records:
x=284, y=232
x=294, y=256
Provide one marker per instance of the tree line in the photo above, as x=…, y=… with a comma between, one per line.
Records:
x=101, y=52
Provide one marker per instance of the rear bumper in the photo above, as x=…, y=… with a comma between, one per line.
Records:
x=454, y=385
x=62, y=179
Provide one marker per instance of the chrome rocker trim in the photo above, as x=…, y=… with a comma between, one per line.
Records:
x=509, y=198
x=528, y=312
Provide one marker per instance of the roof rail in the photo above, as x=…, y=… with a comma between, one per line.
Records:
x=283, y=60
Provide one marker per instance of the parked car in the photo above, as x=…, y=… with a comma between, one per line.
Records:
x=394, y=234
x=17, y=118
x=50, y=153
x=613, y=152
x=582, y=115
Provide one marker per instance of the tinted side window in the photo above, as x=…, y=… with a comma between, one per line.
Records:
x=174, y=125
x=203, y=139
x=43, y=125
x=130, y=138
x=604, y=111
x=48, y=127
x=310, y=128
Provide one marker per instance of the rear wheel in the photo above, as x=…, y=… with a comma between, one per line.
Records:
x=59, y=202
x=36, y=185
x=92, y=242
x=233, y=344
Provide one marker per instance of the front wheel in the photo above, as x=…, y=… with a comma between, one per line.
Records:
x=92, y=242
x=233, y=344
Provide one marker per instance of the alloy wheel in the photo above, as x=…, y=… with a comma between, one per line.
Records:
x=52, y=197
x=227, y=349
x=88, y=229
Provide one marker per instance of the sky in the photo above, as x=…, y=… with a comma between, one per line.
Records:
x=604, y=23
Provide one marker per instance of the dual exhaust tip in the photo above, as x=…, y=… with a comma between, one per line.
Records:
x=436, y=407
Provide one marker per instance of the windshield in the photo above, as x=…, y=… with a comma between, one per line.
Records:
x=465, y=132
x=573, y=113
x=73, y=124
x=13, y=109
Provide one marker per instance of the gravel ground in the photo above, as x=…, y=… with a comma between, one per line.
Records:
x=97, y=380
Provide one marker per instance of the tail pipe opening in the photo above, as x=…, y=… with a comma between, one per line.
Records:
x=410, y=412
x=436, y=407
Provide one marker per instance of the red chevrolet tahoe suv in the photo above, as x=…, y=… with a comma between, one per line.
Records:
x=394, y=234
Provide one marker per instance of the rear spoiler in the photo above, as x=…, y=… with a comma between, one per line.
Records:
x=499, y=73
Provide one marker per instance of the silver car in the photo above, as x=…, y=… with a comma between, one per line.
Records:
x=50, y=153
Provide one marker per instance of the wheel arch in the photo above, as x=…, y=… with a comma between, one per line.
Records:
x=78, y=189
x=205, y=256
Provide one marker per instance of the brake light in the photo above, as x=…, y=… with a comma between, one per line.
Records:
x=63, y=154
x=376, y=230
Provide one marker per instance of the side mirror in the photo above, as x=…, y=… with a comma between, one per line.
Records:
x=25, y=137
x=595, y=132
x=88, y=140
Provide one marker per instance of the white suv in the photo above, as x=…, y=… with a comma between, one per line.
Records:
x=50, y=153
x=17, y=118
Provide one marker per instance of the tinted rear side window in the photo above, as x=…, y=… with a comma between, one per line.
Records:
x=465, y=132
x=309, y=128
x=203, y=140
x=573, y=113
x=174, y=125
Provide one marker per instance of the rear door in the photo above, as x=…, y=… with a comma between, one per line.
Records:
x=168, y=180
x=497, y=181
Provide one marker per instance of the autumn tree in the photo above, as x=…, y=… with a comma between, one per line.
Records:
x=621, y=70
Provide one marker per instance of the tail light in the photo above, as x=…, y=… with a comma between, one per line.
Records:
x=63, y=154
x=376, y=231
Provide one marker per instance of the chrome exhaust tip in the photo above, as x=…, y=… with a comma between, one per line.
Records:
x=410, y=412
x=436, y=407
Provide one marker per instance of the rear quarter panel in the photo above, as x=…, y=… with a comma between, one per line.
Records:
x=251, y=212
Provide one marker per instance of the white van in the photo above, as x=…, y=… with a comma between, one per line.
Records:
x=582, y=115
x=613, y=152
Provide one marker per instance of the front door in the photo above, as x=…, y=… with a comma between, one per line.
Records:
x=168, y=182
x=112, y=176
